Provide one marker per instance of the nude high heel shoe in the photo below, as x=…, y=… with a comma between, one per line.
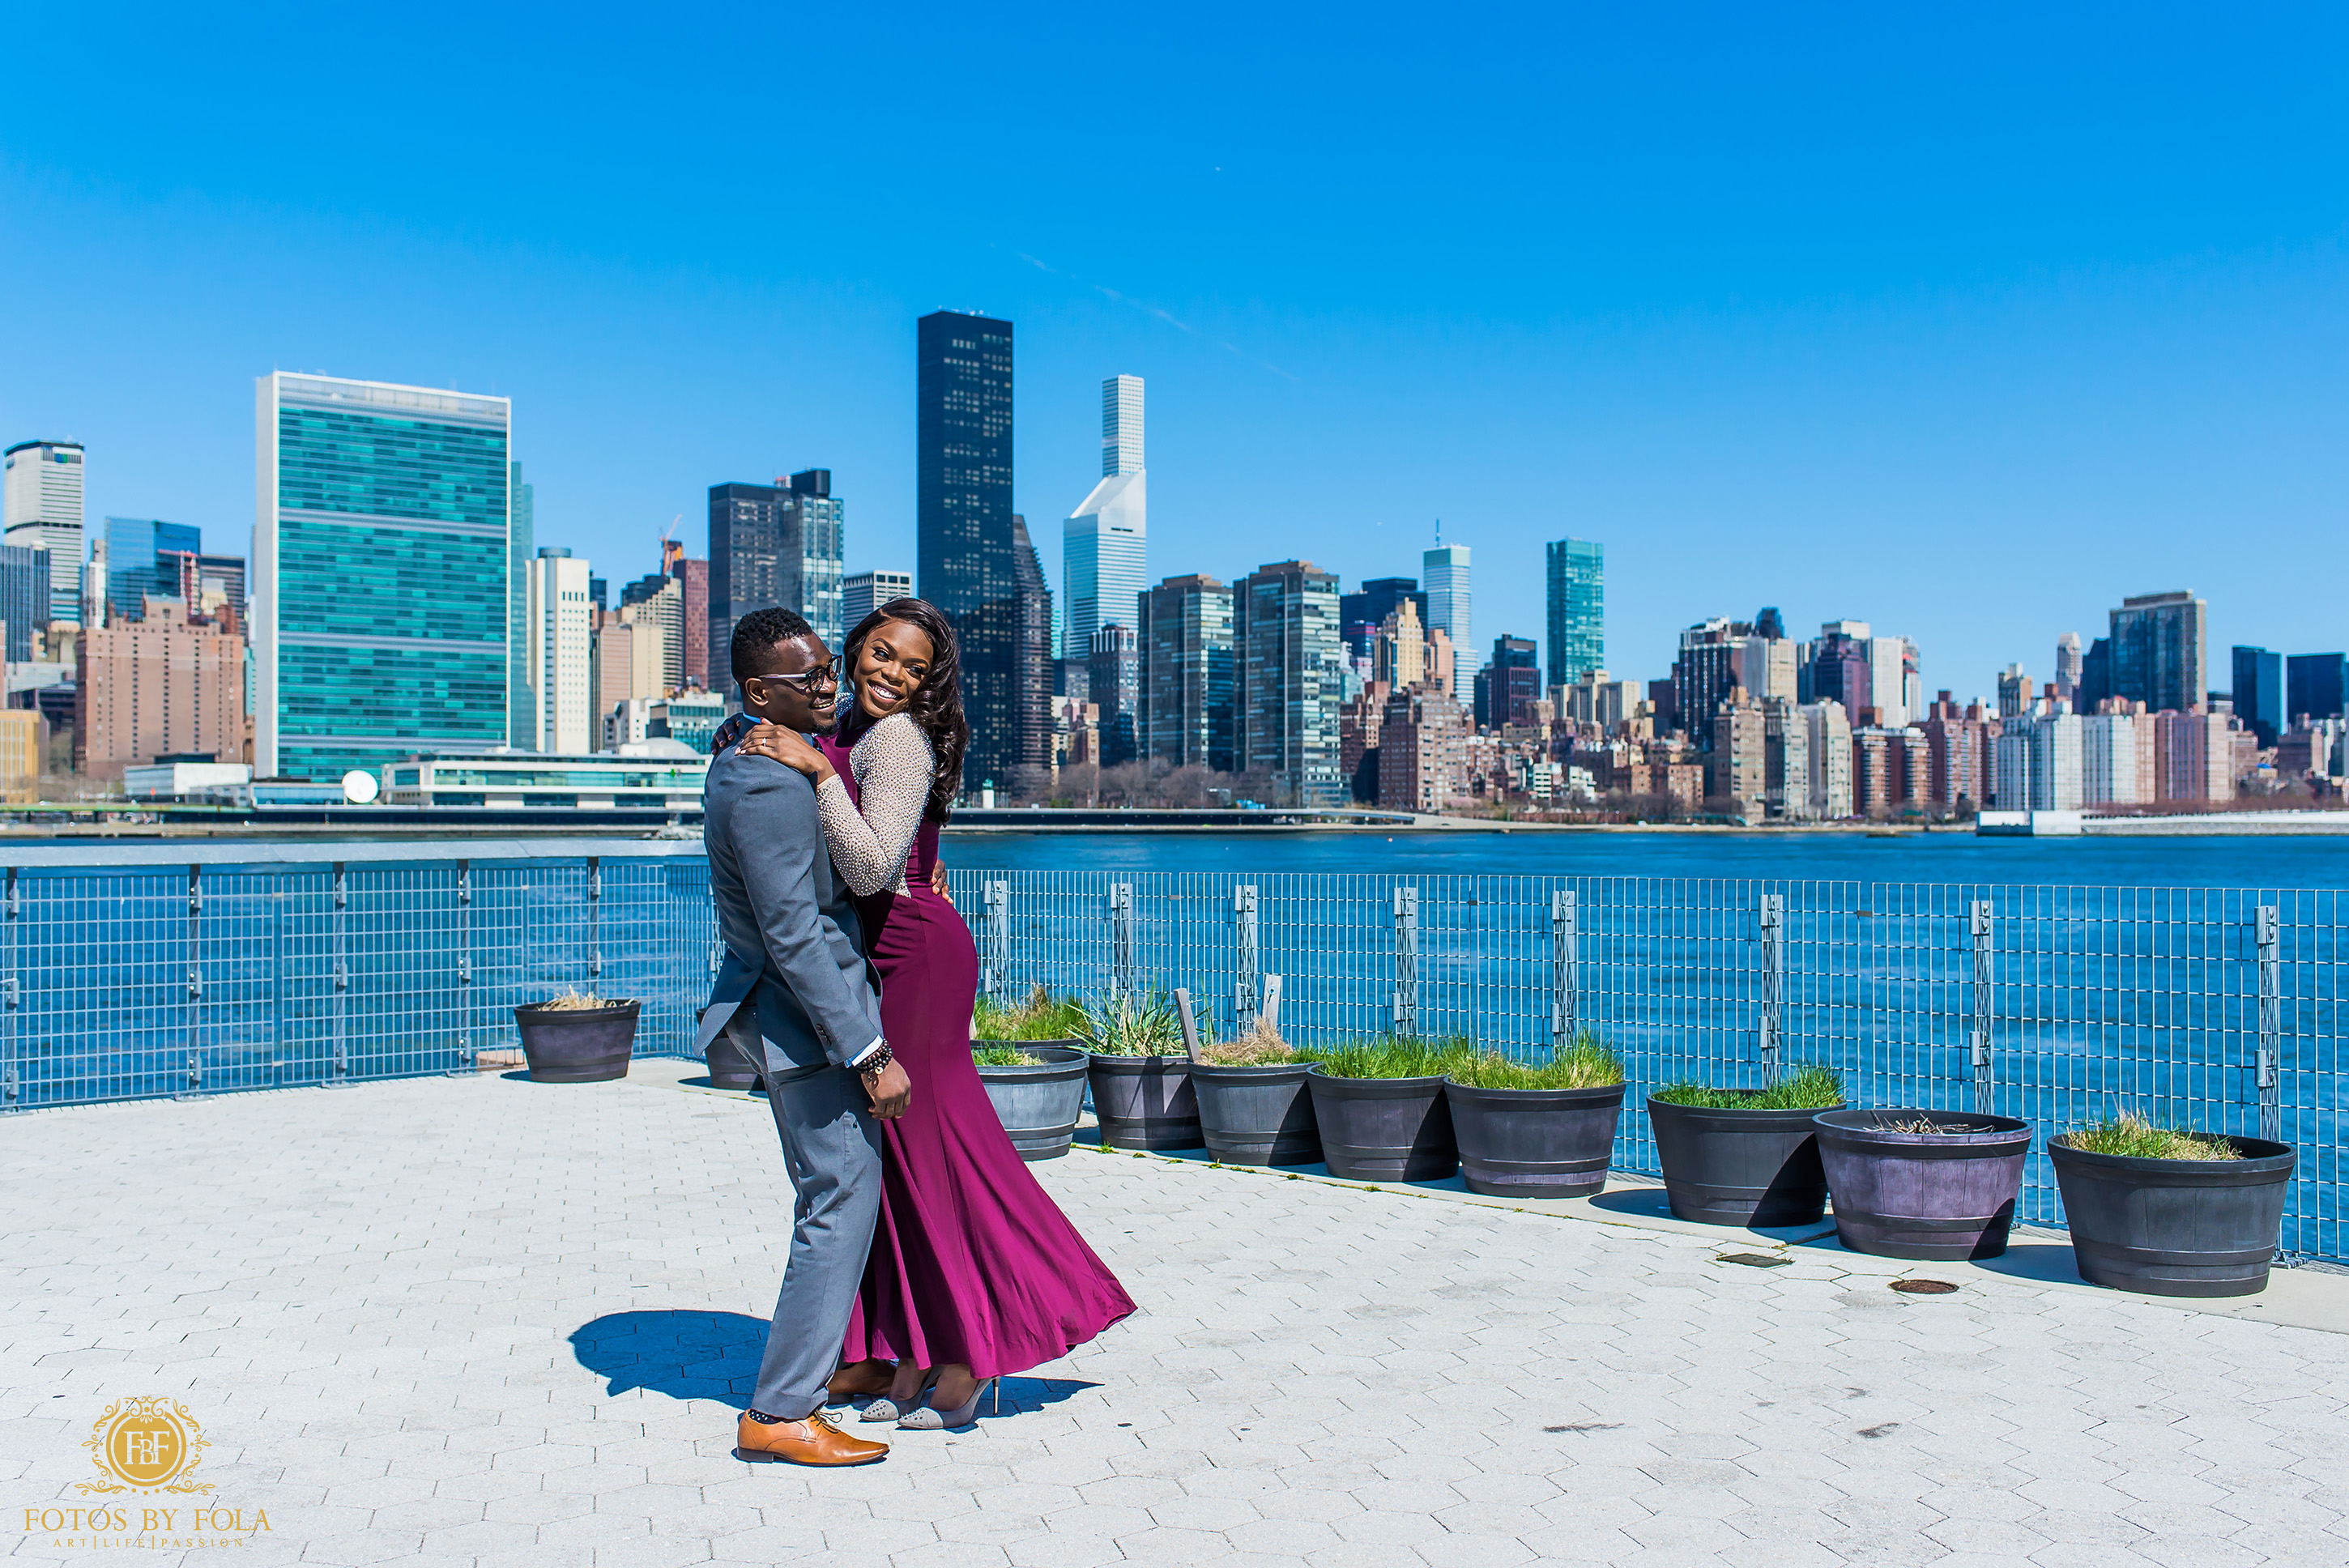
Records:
x=930, y=1418
x=884, y=1408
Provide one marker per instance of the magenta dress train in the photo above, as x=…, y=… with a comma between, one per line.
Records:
x=972, y=1261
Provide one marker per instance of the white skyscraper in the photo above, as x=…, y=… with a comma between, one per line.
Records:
x=1888, y=683
x=862, y=593
x=2055, y=778
x=2109, y=753
x=42, y=507
x=1443, y=574
x=1105, y=544
x=558, y=666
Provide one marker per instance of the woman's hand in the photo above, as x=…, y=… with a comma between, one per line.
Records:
x=787, y=746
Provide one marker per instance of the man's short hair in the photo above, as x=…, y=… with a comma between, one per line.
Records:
x=759, y=633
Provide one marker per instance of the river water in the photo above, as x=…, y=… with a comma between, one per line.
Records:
x=2280, y=862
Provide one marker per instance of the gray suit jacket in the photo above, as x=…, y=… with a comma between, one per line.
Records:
x=794, y=949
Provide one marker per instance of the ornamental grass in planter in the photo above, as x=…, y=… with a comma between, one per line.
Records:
x=1254, y=1105
x=2167, y=1211
x=1033, y=1069
x=577, y=1038
x=1039, y=1017
x=1141, y=1075
x=1744, y=1156
x=1536, y=1130
x=1381, y=1109
x=1934, y=1184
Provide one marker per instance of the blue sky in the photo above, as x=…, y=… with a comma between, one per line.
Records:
x=1963, y=321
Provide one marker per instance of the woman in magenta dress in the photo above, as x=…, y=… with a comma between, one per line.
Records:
x=975, y=1273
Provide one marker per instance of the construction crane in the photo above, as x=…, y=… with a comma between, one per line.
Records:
x=671, y=551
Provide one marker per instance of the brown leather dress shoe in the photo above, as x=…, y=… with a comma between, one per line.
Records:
x=813, y=1441
x=864, y=1377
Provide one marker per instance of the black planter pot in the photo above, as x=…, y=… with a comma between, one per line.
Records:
x=1383, y=1130
x=1535, y=1142
x=1758, y=1168
x=2175, y=1227
x=1038, y=1104
x=577, y=1045
x=1146, y=1102
x=729, y=1066
x=1257, y=1115
x=1924, y=1194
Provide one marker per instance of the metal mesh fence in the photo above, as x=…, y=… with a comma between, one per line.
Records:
x=2215, y=1008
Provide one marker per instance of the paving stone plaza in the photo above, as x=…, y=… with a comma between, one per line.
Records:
x=483, y=1321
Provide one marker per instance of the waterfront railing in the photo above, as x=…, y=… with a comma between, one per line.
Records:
x=208, y=969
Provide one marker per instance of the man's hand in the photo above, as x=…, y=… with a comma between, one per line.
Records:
x=892, y=1091
x=938, y=881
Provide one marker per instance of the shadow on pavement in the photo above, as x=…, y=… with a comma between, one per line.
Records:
x=715, y=1356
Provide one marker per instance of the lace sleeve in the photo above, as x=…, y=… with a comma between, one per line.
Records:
x=892, y=774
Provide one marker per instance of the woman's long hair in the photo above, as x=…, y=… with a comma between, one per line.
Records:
x=936, y=705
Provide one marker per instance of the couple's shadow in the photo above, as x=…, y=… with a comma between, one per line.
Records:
x=715, y=1356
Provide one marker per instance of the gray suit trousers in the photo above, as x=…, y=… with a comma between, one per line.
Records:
x=832, y=1145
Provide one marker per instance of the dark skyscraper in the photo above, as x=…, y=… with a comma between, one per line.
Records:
x=746, y=555
x=2258, y=692
x=968, y=556
x=2314, y=686
x=770, y=545
x=1508, y=688
x=2158, y=651
x=1359, y=615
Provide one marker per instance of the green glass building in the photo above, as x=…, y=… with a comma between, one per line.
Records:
x=1578, y=610
x=381, y=600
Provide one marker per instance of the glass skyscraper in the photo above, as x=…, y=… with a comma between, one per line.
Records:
x=969, y=559
x=381, y=593
x=1105, y=542
x=134, y=564
x=2259, y=693
x=2158, y=651
x=23, y=597
x=1578, y=610
x=1185, y=688
x=779, y=545
x=1288, y=670
x=40, y=507
x=522, y=709
x=822, y=525
x=1444, y=570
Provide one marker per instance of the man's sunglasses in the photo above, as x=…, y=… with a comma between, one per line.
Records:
x=823, y=675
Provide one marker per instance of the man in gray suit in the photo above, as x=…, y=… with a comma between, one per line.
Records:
x=795, y=965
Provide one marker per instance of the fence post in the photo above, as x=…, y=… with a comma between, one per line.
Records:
x=2270, y=1062
x=1406, y=985
x=338, y=1069
x=594, y=918
x=195, y=1080
x=465, y=1038
x=1564, y=943
x=1985, y=1070
x=1247, y=990
x=997, y=898
x=11, y=1088
x=1121, y=923
x=1774, y=968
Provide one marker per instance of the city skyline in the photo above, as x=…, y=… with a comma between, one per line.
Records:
x=2102, y=322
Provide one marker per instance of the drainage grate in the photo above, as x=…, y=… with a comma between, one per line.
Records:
x=1923, y=1286
x=1754, y=1260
